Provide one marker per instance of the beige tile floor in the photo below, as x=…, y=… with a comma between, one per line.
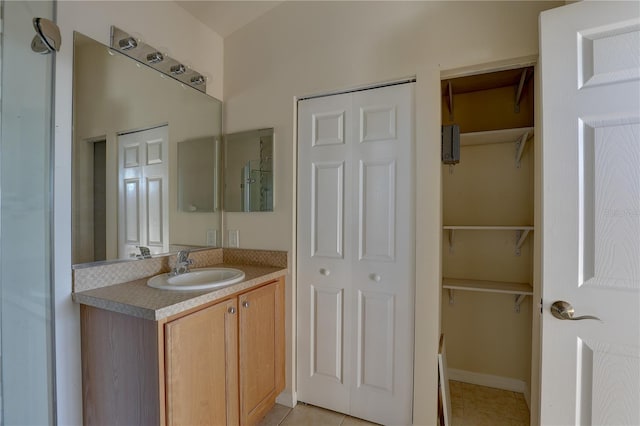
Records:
x=474, y=405
x=308, y=415
x=471, y=405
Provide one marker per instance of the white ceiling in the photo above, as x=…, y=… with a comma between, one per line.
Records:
x=225, y=17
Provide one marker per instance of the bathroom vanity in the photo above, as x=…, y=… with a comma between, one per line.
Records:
x=153, y=356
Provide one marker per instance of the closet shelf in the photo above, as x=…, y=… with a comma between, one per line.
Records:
x=519, y=136
x=488, y=228
x=520, y=290
x=495, y=136
x=521, y=233
x=487, y=286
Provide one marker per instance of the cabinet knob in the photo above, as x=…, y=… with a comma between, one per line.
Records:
x=375, y=277
x=232, y=310
x=325, y=272
x=245, y=303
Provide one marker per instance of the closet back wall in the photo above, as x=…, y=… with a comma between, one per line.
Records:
x=302, y=48
x=484, y=334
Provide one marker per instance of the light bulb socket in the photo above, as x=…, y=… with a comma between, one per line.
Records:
x=128, y=43
x=155, y=57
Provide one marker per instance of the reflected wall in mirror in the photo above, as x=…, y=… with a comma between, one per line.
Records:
x=128, y=122
x=196, y=178
x=248, y=171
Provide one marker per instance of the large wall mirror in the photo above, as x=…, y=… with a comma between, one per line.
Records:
x=248, y=171
x=146, y=159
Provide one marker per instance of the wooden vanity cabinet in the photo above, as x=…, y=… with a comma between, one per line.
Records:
x=201, y=367
x=261, y=317
x=222, y=364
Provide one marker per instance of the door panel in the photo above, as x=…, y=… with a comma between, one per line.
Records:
x=610, y=246
x=377, y=210
x=326, y=333
x=328, y=128
x=155, y=196
x=324, y=213
x=375, y=341
x=355, y=253
x=326, y=210
x=384, y=241
x=377, y=123
x=132, y=211
x=591, y=212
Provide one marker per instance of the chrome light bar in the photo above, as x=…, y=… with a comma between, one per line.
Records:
x=127, y=44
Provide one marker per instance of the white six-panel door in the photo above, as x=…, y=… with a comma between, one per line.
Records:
x=591, y=213
x=143, y=205
x=356, y=253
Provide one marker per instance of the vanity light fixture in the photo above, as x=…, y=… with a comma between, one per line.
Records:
x=129, y=44
x=178, y=69
x=155, y=57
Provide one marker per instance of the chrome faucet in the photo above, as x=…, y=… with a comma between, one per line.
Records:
x=182, y=263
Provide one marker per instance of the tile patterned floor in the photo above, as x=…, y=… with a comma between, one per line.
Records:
x=471, y=405
x=308, y=415
x=474, y=405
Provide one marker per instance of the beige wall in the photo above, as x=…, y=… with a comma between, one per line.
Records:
x=302, y=48
x=162, y=24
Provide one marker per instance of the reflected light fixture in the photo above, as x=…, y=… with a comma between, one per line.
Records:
x=178, y=69
x=131, y=45
x=128, y=43
x=155, y=57
x=198, y=79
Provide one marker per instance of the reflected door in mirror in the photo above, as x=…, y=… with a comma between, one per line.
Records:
x=143, y=205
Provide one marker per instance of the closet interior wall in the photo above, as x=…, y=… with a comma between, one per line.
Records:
x=488, y=342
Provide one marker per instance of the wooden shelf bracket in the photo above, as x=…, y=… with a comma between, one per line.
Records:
x=450, y=100
x=519, y=298
x=521, y=236
x=451, y=240
x=520, y=145
x=519, y=89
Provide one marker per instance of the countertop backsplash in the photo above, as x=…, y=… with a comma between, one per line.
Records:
x=102, y=275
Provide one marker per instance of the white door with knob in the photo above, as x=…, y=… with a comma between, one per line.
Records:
x=143, y=186
x=590, y=58
x=356, y=253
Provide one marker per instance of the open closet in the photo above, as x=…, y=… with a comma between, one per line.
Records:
x=488, y=226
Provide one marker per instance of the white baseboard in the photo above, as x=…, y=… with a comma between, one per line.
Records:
x=498, y=382
x=288, y=399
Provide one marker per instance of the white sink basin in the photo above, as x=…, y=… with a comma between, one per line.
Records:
x=197, y=279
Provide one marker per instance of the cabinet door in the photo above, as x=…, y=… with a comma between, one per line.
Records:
x=202, y=367
x=261, y=350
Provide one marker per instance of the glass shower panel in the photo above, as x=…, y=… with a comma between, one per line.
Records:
x=26, y=328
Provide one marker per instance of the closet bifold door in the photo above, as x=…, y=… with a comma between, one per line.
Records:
x=382, y=284
x=355, y=253
x=324, y=268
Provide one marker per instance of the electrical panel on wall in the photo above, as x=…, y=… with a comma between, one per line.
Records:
x=451, y=144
